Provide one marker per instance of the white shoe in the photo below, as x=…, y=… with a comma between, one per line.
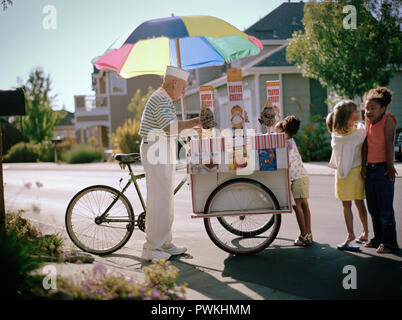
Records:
x=301, y=241
x=149, y=254
x=173, y=250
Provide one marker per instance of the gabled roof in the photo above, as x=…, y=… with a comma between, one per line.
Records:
x=278, y=59
x=280, y=23
x=67, y=121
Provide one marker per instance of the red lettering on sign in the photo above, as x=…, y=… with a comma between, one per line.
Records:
x=274, y=99
x=273, y=92
x=236, y=97
x=233, y=89
x=206, y=97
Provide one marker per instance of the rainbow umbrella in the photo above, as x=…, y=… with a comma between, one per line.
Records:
x=187, y=42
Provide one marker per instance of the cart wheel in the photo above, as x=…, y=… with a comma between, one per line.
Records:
x=242, y=234
x=231, y=226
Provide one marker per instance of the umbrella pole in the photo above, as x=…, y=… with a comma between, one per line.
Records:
x=183, y=106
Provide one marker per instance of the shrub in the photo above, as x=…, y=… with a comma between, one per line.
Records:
x=84, y=154
x=92, y=141
x=314, y=141
x=45, y=245
x=22, y=227
x=46, y=152
x=10, y=135
x=19, y=257
x=100, y=285
x=126, y=138
x=23, y=152
x=22, y=248
x=64, y=147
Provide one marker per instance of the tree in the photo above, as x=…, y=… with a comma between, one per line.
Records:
x=40, y=120
x=138, y=102
x=348, y=58
x=5, y=4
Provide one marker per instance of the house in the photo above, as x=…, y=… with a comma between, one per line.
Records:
x=65, y=128
x=270, y=64
x=100, y=114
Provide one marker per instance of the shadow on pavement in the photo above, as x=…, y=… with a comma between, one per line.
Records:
x=316, y=272
x=196, y=279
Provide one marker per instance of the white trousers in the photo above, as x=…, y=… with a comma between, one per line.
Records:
x=157, y=160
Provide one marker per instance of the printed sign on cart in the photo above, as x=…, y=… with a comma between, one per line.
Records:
x=207, y=101
x=243, y=156
x=274, y=94
x=267, y=159
x=236, y=115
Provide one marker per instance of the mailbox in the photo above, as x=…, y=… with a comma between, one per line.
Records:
x=57, y=139
x=12, y=102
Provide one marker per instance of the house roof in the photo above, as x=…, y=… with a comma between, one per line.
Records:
x=67, y=121
x=279, y=23
x=278, y=59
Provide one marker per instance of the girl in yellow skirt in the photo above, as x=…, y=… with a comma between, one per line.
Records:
x=348, y=135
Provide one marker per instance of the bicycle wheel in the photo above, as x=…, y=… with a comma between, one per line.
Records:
x=85, y=228
x=242, y=234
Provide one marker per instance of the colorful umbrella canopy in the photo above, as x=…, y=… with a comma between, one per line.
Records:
x=200, y=40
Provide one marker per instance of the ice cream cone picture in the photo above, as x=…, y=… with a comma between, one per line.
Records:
x=239, y=117
x=207, y=117
x=267, y=116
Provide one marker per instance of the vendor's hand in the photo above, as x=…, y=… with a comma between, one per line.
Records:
x=391, y=172
x=363, y=172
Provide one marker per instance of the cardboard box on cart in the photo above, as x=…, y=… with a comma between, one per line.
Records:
x=259, y=157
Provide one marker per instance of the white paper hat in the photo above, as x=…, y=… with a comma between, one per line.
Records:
x=177, y=73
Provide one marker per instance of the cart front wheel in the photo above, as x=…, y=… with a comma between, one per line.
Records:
x=242, y=234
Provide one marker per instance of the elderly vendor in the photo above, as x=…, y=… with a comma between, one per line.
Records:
x=159, y=124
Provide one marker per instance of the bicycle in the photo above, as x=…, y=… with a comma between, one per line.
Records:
x=112, y=220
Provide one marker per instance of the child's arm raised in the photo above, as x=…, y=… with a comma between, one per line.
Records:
x=389, y=147
x=363, y=170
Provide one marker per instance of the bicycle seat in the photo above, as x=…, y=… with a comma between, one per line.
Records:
x=127, y=157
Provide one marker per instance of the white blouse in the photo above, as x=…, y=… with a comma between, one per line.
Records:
x=346, y=150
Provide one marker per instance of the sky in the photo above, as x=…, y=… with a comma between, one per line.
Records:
x=62, y=36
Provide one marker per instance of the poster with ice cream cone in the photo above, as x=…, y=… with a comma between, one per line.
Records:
x=236, y=115
x=274, y=94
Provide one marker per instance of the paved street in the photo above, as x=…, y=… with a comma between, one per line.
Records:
x=282, y=271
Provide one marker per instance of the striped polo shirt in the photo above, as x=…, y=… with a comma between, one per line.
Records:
x=158, y=114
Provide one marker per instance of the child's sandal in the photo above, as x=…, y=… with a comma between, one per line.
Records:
x=361, y=239
x=369, y=245
x=382, y=249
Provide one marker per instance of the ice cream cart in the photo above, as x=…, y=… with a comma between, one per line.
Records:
x=240, y=187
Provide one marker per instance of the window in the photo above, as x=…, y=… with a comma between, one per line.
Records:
x=118, y=85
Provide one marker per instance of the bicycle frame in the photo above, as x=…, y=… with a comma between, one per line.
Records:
x=133, y=179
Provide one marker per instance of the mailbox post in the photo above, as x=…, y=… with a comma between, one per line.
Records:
x=12, y=103
x=55, y=141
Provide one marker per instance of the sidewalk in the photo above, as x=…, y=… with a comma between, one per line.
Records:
x=128, y=262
